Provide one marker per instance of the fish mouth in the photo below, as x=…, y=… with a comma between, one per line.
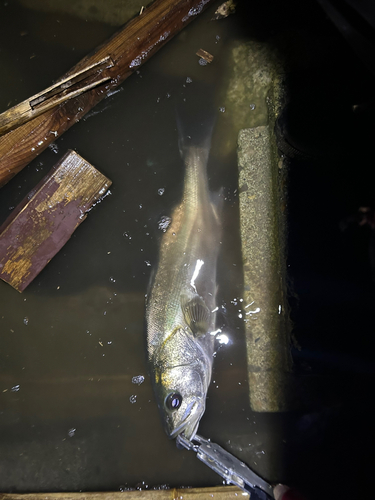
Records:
x=189, y=424
x=188, y=430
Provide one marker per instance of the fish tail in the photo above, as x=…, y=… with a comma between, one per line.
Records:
x=194, y=143
x=194, y=136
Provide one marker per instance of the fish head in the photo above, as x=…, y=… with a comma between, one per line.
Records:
x=181, y=376
x=182, y=400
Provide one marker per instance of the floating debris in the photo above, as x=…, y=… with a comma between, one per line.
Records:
x=205, y=55
x=225, y=10
x=47, y=217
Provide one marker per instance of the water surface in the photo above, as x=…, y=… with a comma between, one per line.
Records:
x=70, y=417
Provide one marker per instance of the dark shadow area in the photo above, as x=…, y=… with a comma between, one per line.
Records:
x=326, y=130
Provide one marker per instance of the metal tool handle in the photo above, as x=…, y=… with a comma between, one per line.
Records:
x=228, y=467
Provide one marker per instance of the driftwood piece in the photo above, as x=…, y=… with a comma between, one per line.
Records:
x=128, y=49
x=44, y=221
x=216, y=493
x=205, y=55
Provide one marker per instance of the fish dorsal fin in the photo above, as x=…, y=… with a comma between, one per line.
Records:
x=196, y=314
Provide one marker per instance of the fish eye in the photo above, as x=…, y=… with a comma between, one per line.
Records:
x=173, y=401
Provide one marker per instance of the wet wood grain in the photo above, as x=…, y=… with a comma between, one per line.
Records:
x=128, y=49
x=44, y=221
x=216, y=493
x=52, y=96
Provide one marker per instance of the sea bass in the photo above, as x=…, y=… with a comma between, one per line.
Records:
x=181, y=304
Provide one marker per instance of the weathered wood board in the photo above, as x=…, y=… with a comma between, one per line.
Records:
x=216, y=493
x=45, y=220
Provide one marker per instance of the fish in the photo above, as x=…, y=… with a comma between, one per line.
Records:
x=181, y=302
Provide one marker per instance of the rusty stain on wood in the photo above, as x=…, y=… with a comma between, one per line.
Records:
x=205, y=55
x=216, y=493
x=44, y=221
x=128, y=49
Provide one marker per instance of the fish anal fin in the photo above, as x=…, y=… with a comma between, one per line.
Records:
x=196, y=314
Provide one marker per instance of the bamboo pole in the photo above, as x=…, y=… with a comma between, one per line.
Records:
x=128, y=49
x=216, y=493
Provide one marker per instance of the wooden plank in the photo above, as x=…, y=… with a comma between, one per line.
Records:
x=128, y=49
x=216, y=493
x=44, y=221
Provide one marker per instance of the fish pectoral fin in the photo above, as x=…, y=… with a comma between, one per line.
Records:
x=196, y=314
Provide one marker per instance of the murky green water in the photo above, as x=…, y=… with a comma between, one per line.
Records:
x=70, y=416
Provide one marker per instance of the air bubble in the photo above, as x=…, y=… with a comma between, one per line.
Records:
x=53, y=147
x=138, y=380
x=164, y=223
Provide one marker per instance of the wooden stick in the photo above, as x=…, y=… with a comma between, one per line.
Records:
x=216, y=493
x=205, y=55
x=49, y=98
x=44, y=221
x=128, y=49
